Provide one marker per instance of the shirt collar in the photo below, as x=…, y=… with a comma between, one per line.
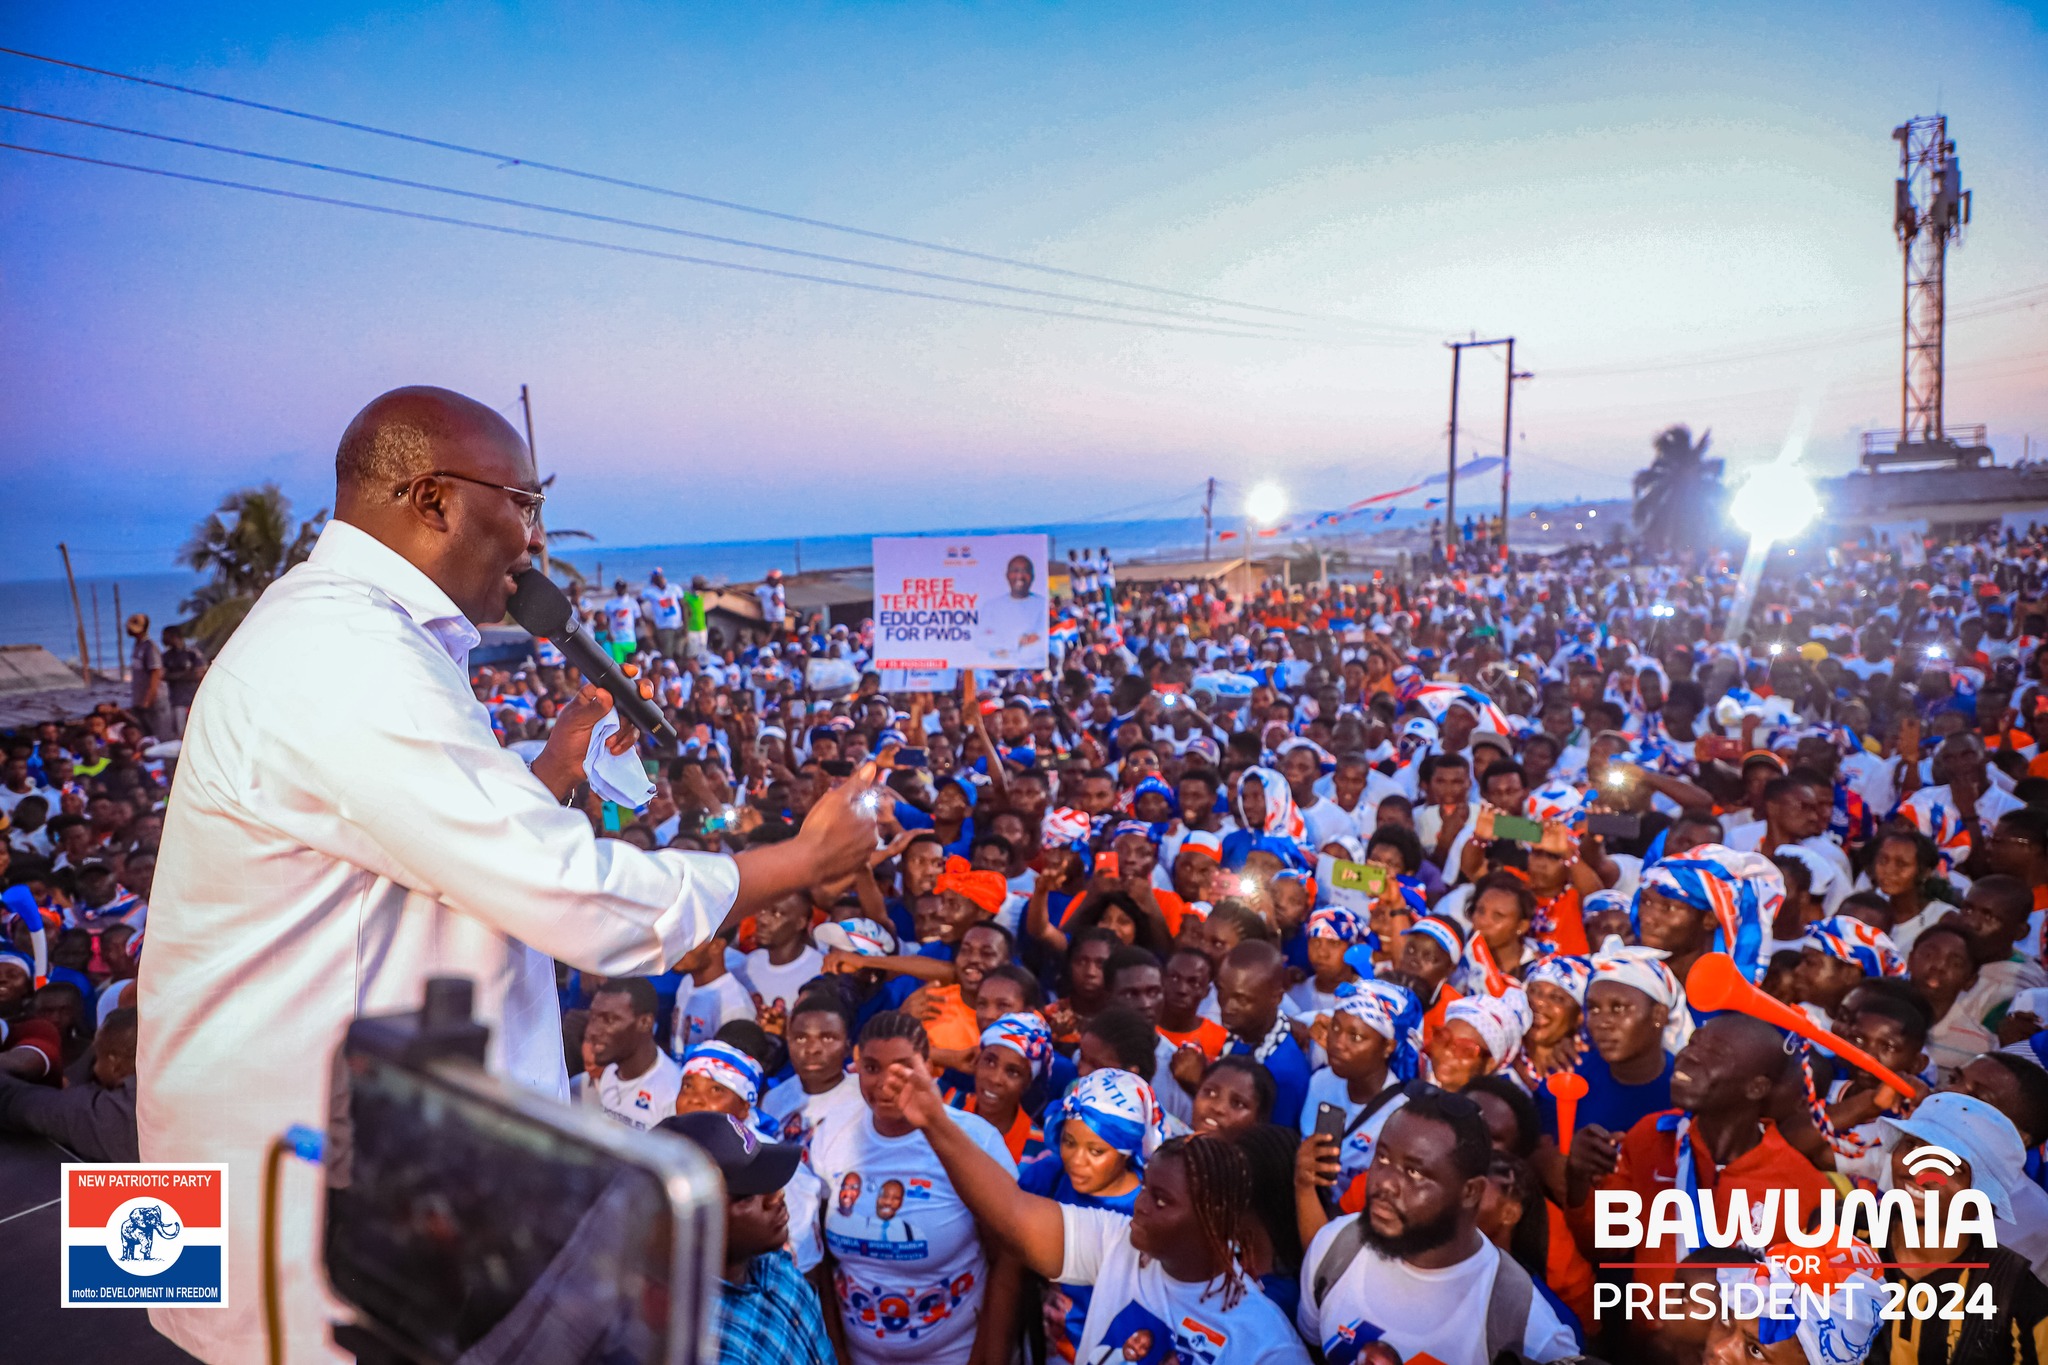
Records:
x=354, y=553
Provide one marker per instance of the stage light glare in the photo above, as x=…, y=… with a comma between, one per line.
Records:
x=1266, y=502
x=1776, y=502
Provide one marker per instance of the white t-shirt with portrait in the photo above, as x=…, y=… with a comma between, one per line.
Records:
x=621, y=614
x=799, y=1116
x=1141, y=1315
x=701, y=1011
x=645, y=1100
x=911, y=1272
x=773, y=983
x=1440, y=1312
x=665, y=604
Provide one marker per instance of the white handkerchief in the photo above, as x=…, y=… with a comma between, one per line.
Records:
x=619, y=778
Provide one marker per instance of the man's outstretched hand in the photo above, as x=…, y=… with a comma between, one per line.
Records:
x=560, y=765
x=839, y=832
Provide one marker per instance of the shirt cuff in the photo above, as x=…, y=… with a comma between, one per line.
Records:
x=711, y=883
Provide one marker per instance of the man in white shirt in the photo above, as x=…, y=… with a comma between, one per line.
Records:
x=323, y=855
x=1013, y=625
x=1322, y=819
x=622, y=621
x=636, y=1082
x=1414, y=1270
x=1959, y=813
x=664, y=603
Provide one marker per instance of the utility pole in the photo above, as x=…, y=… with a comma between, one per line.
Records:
x=526, y=408
x=120, y=664
x=1507, y=438
x=1458, y=349
x=1451, y=466
x=78, y=614
x=1208, y=518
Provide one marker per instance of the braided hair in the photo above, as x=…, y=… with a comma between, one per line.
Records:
x=897, y=1024
x=1269, y=1151
x=1220, y=1188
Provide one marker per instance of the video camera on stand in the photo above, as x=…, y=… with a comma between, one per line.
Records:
x=473, y=1222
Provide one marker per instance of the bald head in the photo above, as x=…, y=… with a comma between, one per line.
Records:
x=1249, y=987
x=446, y=483
x=395, y=439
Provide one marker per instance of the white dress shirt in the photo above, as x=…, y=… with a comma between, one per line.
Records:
x=343, y=826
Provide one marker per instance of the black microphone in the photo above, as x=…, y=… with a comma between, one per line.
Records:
x=543, y=609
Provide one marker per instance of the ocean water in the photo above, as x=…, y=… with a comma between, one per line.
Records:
x=38, y=611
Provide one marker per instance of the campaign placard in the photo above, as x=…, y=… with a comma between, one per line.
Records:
x=946, y=602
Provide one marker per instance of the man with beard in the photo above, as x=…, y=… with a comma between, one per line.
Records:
x=1413, y=1270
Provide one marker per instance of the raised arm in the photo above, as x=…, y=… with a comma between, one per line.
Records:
x=998, y=780
x=1029, y=1224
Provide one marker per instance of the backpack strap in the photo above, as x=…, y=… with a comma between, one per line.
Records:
x=1377, y=1103
x=1343, y=1250
x=1507, y=1310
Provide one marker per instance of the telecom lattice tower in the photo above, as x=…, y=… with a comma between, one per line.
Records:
x=1930, y=208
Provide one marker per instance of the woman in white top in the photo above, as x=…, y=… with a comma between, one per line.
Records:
x=907, y=1262
x=1169, y=1280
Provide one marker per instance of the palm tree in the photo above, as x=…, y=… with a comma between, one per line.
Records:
x=1679, y=498
x=244, y=546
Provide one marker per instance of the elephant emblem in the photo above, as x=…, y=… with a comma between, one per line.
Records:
x=141, y=1228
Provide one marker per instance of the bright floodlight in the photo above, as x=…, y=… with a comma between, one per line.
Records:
x=1776, y=503
x=1266, y=502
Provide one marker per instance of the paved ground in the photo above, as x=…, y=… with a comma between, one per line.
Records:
x=38, y=1331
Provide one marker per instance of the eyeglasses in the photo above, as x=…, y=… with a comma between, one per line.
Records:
x=525, y=499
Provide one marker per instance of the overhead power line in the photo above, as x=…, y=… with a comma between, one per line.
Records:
x=623, y=249
x=508, y=159
x=2029, y=297
x=641, y=224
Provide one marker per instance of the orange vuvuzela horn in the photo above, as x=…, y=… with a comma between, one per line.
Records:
x=1567, y=1088
x=1717, y=984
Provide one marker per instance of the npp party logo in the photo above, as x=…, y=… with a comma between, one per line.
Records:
x=140, y=1233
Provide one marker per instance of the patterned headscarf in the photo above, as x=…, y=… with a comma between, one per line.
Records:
x=1500, y=1019
x=1063, y=826
x=728, y=1066
x=1600, y=901
x=986, y=889
x=1634, y=965
x=1569, y=974
x=1394, y=1013
x=1742, y=891
x=1283, y=819
x=1117, y=1107
x=1025, y=1034
x=1849, y=939
x=1560, y=801
x=1836, y=1323
x=1149, y=833
x=1338, y=922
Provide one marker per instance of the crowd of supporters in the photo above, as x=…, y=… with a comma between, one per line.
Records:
x=1203, y=999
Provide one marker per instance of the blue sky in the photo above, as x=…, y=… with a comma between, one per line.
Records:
x=1629, y=194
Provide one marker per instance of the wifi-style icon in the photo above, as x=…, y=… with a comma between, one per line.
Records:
x=1930, y=1164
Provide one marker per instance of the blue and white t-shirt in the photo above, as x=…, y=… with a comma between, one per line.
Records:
x=1141, y=1315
